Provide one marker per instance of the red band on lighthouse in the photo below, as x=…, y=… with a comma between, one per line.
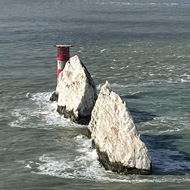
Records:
x=58, y=72
x=62, y=57
x=63, y=53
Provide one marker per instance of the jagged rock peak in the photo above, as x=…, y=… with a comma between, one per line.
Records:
x=77, y=91
x=115, y=136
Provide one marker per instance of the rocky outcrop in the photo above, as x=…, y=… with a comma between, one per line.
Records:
x=54, y=97
x=115, y=136
x=77, y=92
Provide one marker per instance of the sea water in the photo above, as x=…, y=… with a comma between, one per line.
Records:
x=141, y=47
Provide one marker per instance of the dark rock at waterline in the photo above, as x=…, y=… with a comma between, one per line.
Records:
x=83, y=120
x=88, y=134
x=118, y=166
x=54, y=97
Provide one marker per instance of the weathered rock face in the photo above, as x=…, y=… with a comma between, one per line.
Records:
x=77, y=92
x=115, y=136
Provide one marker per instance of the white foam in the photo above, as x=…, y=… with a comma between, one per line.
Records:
x=81, y=169
x=40, y=110
x=86, y=166
x=103, y=50
x=28, y=166
x=83, y=166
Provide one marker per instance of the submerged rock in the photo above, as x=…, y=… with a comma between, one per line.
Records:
x=77, y=92
x=115, y=136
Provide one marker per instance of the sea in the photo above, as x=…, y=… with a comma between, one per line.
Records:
x=141, y=47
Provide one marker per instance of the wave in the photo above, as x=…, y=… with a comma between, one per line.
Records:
x=41, y=111
x=150, y=4
x=84, y=165
x=165, y=125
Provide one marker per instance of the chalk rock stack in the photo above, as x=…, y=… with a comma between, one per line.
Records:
x=115, y=136
x=76, y=91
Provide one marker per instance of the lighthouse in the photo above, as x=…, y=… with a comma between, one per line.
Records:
x=63, y=55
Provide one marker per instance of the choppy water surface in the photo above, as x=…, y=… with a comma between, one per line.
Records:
x=140, y=47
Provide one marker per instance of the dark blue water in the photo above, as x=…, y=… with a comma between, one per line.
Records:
x=140, y=47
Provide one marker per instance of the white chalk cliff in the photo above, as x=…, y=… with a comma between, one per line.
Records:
x=115, y=136
x=77, y=92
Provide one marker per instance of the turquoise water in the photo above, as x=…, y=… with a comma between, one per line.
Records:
x=140, y=47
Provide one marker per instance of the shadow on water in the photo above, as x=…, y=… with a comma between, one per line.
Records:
x=167, y=159
x=141, y=116
x=130, y=97
x=138, y=116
